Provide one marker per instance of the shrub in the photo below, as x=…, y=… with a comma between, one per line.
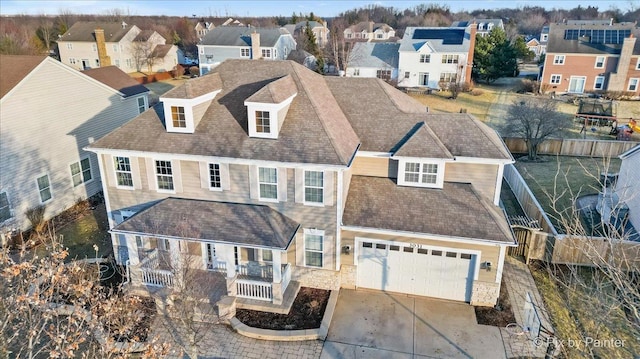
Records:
x=476, y=92
x=178, y=71
x=529, y=86
x=194, y=70
x=35, y=215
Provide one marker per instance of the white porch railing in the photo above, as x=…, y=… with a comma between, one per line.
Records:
x=253, y=269
x=153, y=276
x=286, y=277
x=253, y=289
x=150, y=261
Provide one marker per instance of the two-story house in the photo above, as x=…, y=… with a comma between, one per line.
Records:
x=273, y=176
x=591, y=56
x=431, y=55
x=91, y=44
x=202, y=28
x=484, y=26
x=369, y=31
x=48, y=113
x=319, y=29
x=230, y=42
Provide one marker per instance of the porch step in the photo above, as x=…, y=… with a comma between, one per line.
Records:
x=260, y=305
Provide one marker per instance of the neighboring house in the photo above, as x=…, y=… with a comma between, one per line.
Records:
x=304, y=58
x=165, y=58
x=232, y=22
x=228, y=42
x=90, y=44
x=48, y=113
x=591, y=56
x=628, y=188
x=544, y=39
x=369, y=31
x=202, y=28
x=533, y=44
x=430, y=55
x=484, y=26
x=270, y=176
x=374, y=59
x=319, y=29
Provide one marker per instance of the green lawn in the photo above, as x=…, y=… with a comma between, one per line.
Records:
x=557, y=181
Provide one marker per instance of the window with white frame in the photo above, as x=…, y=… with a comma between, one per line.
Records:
x=633, y=84
x=599, y=62
x=448, y=77
x=81, y=172
x=97, y=61
x=164, y=175
x=356, y=72
x=407, y=74
x=599, y=83
x=275, y=53
x=313, y=247
x=379, y=36
x=423, y=79
x=449, y=59
x=544, y=37
x=214, y=176
x=267, y=255
x=313, y=186
x=421, y=173
x=638, y=64
x=555, y=79
x=266, y=53
x=263, y=122
x=177, y=115
x=245, y=52
x=115, y=48
x=69, y=46
x=211, y=255
x=117, y=63
x=94, y=47
x=44, y=188
x=268, y=183
x=124, y=177
x=5, y=208
x=558, y=60
x=425, y=58
x=142, y=104
x=72, y=61
x=383, y=74
x=129, y=62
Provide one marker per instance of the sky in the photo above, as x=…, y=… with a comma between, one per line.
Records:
x=239, y=8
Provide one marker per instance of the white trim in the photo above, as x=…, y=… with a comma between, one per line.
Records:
x=373, y=154
x=215, y=189
x=595, y=82
x=304, y=189
x=604, y=62
x=440, y=164
x=38, y=188
x=474, y=252
x=503, y=251
x=637, y=80
x=555, y=83
x=11, y=213
x=115, y=171
x=557, y=57
x=81, y=173
x=498, y=189
x=107, y=202
x=485, y=161
x=260, y=198
x=155, y=176
x=435, y=237
x=338, y=250
x=198, y=158
x=313, y=232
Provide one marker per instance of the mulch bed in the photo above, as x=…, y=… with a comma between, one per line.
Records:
x=498, y=316
x=306, y=313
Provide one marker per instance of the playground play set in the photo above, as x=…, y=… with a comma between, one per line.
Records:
x=594, y=112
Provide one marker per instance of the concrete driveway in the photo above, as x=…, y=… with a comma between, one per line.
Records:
x=369, y=324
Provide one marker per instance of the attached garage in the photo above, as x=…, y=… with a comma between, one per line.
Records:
x=416, y=269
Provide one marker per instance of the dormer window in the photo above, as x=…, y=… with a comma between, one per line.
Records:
x=263, y=124
x=420, y=172
x=179, y=119
x=267, y=108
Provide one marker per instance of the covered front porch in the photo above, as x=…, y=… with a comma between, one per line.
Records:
x=243, y=262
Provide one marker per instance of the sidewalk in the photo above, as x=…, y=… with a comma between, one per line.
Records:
x=519, y=282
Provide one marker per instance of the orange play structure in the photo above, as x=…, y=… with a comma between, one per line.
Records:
x=634, y=125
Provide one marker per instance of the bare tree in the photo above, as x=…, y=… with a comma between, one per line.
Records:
x=142, y=52
x=534, y=120
x=340, y=50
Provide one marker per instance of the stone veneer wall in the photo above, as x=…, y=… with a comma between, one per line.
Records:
x=485, y=293
x=348, y=275
x=316, y=278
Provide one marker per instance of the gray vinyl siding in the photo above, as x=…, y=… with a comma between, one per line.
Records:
x=284, y=43
x=628, y=187
x=46, y=121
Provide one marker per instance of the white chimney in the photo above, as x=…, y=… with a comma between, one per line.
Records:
x=124, y=25
x=255, y=46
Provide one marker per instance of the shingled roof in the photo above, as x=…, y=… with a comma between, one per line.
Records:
x=84, y=31
x=423, y=210
x=440, y=39
x=243, y=224
x=117, y=80
x=14, y=68
x=241, y=36
x=196, y=87
x=557, y=43
x=314, y=131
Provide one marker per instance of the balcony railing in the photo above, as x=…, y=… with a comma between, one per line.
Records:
x=151, y=274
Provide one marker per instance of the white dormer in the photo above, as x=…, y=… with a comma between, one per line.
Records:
x=184, y=106
x=267, y=108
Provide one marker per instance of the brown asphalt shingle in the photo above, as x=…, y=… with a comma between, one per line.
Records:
x=423, y=143
x=84, y=31
x=117, y=80
x=455, y=210
x=13, y=68
x=195, y=87
x=244, y=224
x=275, y=92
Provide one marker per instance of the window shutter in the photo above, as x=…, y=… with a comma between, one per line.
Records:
x=282, y=184
x=225, y=181
x=300, y=248
x=299, y=185
x=151, y=173
x=110, y=168
x=135, y=172
x=204, y=174
x=177, y=175
x=328, y=187
x=254, y=189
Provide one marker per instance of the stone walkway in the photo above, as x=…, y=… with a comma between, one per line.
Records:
x=219, y=341
x=519, y=282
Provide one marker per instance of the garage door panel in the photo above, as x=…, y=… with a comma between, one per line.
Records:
x=433, y=272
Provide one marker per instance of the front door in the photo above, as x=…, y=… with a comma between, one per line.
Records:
x=424, y=79
x=85, y=64
x=576, y=84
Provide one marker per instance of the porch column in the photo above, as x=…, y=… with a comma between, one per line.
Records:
x=277, y=265
x=132, y=247
x=229, y=258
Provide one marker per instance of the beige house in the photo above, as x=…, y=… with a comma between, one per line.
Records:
x=319, y=29
x=369, y=31
x=274, y=177
x=90, y=44
x=48, y=113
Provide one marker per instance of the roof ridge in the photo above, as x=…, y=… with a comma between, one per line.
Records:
x=484, y=130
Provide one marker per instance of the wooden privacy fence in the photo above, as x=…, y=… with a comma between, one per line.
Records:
x=573, y=147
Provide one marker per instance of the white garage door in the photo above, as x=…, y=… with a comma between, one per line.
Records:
x=414, y=269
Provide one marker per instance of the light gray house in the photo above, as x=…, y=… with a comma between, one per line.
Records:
x=484, y=26
x=268, y=177
x=628, y=189
x=48, y=113
x=230, y=42
x=374, y=59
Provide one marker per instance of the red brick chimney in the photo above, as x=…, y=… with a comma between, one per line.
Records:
x=472, y=45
